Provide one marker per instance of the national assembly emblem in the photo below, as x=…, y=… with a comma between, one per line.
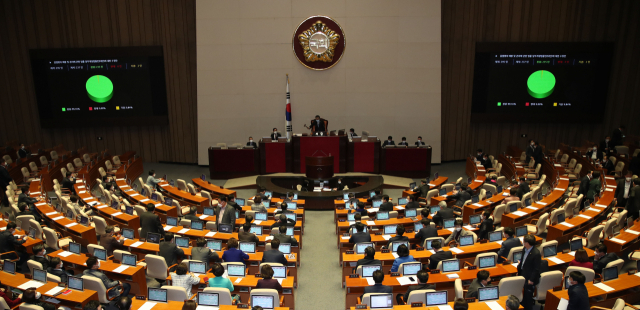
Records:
x=319, y=43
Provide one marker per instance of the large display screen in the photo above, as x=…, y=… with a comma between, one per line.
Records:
x=540, y=82
x=100, y=86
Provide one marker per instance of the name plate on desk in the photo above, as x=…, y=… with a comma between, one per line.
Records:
x=385, y=251
x=470, y=300
x=362, y=307
x=349, y=252
x=395, y=274
x=472, y=267
x=435, y=271
x=416, y=304
x=354, y=275
x=419, y=249
x=140, y=297
x=243, y=306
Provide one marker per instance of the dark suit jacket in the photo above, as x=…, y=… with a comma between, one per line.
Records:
x=247, y=237
x=616, y=137
x=386, y=142
x=378, y=288
x=594, y=188
x=620, y=184
x=368, y=261
x=397, y=239
x=609, y=166
x=8, y=243
x=319, y=126
x=68, y=184
x=598, y=265
x=537, y=154
x=606, y=145
x=598, y=154
x=5, y=178
x=274, y=256
x=412, y=205
x=426, y=232
x=422, y=190
x=633, y=204
x=530, y=268
x=461, y=197
x=252, y=144
x=487, y=163
x=286, y=239
x=386, y=206
x=405, y=143
x=191, y=217
x=417, y=288
x=42, y=260
x=275, y=136
x=110, y=243
x=35, y=215
x=271, y=283
x=473, y=289
x=485, y=228
x=150, y=222
x=204, y=254
x=60, y=273
x=360, y=237
x=170, y=252
x=26, y=199
x=633, y=166
x=584, y=186
x=506, y=247
x=22, y=153
x=419, y=143
x=439, y=256
x=578, y=297
x=523, y=189
x=443, y=214
x=530, y=152
x=290, y=223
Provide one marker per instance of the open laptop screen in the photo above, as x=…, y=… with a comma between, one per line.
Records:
x=100, y=254
x=450, y=265
x=549, y=251
x=182, y=242
x=449, y=223
x=384, y=215
x=610, y=273
x=198, y=267
x=40, y=275
x=390, y=229
x=495, y=236
x=76, y=283
x=436, y=298
x=285, y=248
x=128, y=233
x=236, y=270
x=208, y=299
x=257, y=230
x=367, y=270
x=402, y=201
x=376, y=203
x=411, y=268
x=153, y=237
x=74, y=247
x=576, y=244
x=395, y=245
x=172, y=221
x=381, y=301
x=248, y=247
x=474, y=219
x=487, y=262
x=521, y=231
x=360, y=247
x=264, y=301
x=129, y=259
x=260, y=216
x=279, y=272
x=411, y=213
x=215, y=245
x=466, y=240
x=488, y=293
x=157, y=294
x=197, y=225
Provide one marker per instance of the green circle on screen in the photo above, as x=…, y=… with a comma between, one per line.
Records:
x=541, y=84
x=99, y=88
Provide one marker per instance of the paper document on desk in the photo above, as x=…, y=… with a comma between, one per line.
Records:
x=632, y=232
x=371, y=223
x=572, y=253
x=137, y=244
x=556, y=260
x=400, y=208
x=559, y=189
x=370, y=281
x=116, y=214
x=499, y=242
x=445, y=307
x=280, y=280
x=158, y=204
x=51, y=213
x=515, y=265
x=432, y=251
x=54, y=290
x=406, y=281
x=373, y=210
x=351, y=223
x=600, y=206
x=469, y=227
x=616, y=240
x=494, y=305
x=58, y=218
x=120, y=269
x=41, y=204
x=258, y=222
x=71, y=225
x=453, y=276
x=204, y=216
x=210, y=307
x=212, y=233
x=532, y=208
x=167, y=228
x=395, y=255
x=183, y=231
x=147, y=305
x=64, y=253
x=567, y=224
x=456, y=250
x=479, y=181
x=431, y=184
x=81, y=186
x=541, y=203
x=477, y=204
x=386, y=237
x=163, y=185
x=564, y=303
x=145, y=200
x=345, y=237
x=585, y=216
x=29, y=284
x=520, y=213
x=604, y=287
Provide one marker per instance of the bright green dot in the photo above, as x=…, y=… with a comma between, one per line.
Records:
x=499, y=103
x=541, y=84
x=99, y=88
x=63, y=109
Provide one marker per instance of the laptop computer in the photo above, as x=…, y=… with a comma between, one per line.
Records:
x=433, y=210
x=247, y=247
x=435, y=176
x=466, y=240
x=225, y=228
x=475, y=199
x=475, y=219
x=609, y=274
x=442, y=192
x=361, y=246
x=128, y=210
x=390, y=229
x=436, y=298
x=100, y=254
x=241, y=201
x=198, y=267
x=517, y=255
x=154, y=197
x=499, y=189
x=279, y=272
x=157, y=294
x=291, y=216
x=236, y=270
x=411, y=213
x=214, y=244
x=376, y=203
x=429, y=247
x=395, y=245
x=268, y=194
x=292, y=205
x=207, y=211
x=285, y=248
x=70, y=214
x=351, y=217
x=168, y=201
x=208, y=299
x=153, y=237
x=549, y=250
x=172, y=221
x=74, y=247
x=527, y=202
x=487, y=262
x=402, y=201
x=127, y=233
x=411, y=268
x=489, y=195
x=367, y=270
x=257, y=230
x=181, y=242
x=129, y=260
x=32, y=233
x=381, y=301
x=9, y=267
x=451, y=265
x=290, y=231
x=260, y=216
x=345, y=196
x=372, y=193
x=417, y=226
x=560, y=218
x=412, y=185
x=488, y=293
x=521, y=231
x=382, y=215
x=197, y=225
x=75, y=283
x=40, y=275
x=495, y=236
x=575, y=244
x=539, y=196
x=264, y=301
x=449, y=223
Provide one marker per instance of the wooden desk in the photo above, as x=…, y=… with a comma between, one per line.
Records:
x=364, y=156
x=131, y=172
x=630, y=241
x=625, y=287
x=432, y=184
x=184, y=197
x=406, y=162
x=110, y=215
x=29, y=243
x=70, y=300
x=215, y=190
x=161, y=209
x=84, y=235
x=175, y=305
x=472, y=306
x=233, y=162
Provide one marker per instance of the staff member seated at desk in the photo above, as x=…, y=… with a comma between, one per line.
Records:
x=486, y=162
x=8, y=243
x=232, y=254
x=68, y=182
x=389, y=141
x=422, y=190
x=608, y=165
x=386, y=205
x=109, y=242
x=251, y=143
x=593, y=154
x=283, y=209
x=283, y=220
x=462, y=195
x=352, y=133
x=24, y=196
x=482, y=280
x=423, y=278
x=581, y=260
x=360, y=209
x=378, y=278
x=267, y=280
x=578, y=294
x=513, y=195
x=150, y=222
x=274, y=255
x=602, y=258
x=152, y=181
x=257, y=204
x=56, y=269
x=398, y=237
x=219, y=281
x=419, y=142
x=39, y=256
x=523, y=188
x=444, y=213
x=246, y=235
x=486, y=226
x=93, y=264
x=275, y=134
x=282, y=236
x=403, y=257
x=192, y=214
x=5, y=292
x=457, y=232
x=32, y=298
x=360, y=236
x=427, y=231
x=369, y=258
x=412, y=203
x=403, y=142
x=378, y=195
x=202, y=253
x=508, y=244
x=22, y=206
x=319, y=125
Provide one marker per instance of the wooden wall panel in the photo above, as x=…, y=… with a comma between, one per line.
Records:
x=32, y=24
x=466, y=22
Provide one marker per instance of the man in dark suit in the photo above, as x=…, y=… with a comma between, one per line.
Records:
x=403, y=142
x=462, y=195
x=584, y=184
x=274, y=255
x=109, y=242
x=486, y=163
x=423, y=278
x=284, y=221
x=352, y=200
x=39, y=255
x=150, y=222
x=56, y=269
x=22, y=152
x=360, y=235
x=594, y=187
x=486, y=226
x=419, y=142
x=246, y=235
x=633, y=203
x=202, y=253
x=24, y=196
x=594, y=153
x=608, y=165
x=623, y=189
x=275, y=134
x=225, y=213
x=386, y=205
x=578, y=295
x=422, y=189
x=537, y=153
x=335, y=184
x=479, y=155
x=352, y=133
x=282, y=236
x=412, y=203
x=378, y=195
x=529, y=268
x=439, y=256
x=378, y=277
x=426, y=231
x=617, y=138
x=633, y=166
x=389, y=141
x=8, y=243
x=191, y=216
x=482, y=279
x=284, y=208
x=508, y=244
x=444, y=214
x=251, y=143
x=22, y=206
x=169, y=250
x=369, y=258
x=607, y=146
x=531, y=148
x=602, y=258
x=398, y=237
x=523, y=187
x=318, y=125
x=68, y=182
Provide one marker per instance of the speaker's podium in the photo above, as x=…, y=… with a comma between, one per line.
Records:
x=319, y=167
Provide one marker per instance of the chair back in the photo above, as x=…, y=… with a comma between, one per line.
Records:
x=101, y=225
x=613, y=159
x=175, y=293
x=513, y=250
x=53, y=278
x=548, y=280
x=77, y=162
x=424, y=243
x=35, y=225
x=588, y=273
x=269, y=292
x=511, y=286
x=457, y=287
x=523, y=156
x=25, y=173
x=108, y=164
x=593, y=236
x=185, y=223
x=497, y=213
x=501, y=180
x=430, y=194
x=191, y=189
x=608, y=227
x=23, y=222
x=33, y=167
x=224, y=295
x=25, y=306
x=139, y=209
x=34, y=265
x=206, y=195
x=86, y=158
x=616, y=263
x=418, y=296
x=622, y=219
x=541, y=225
x=51, y=238
x=548, y=243
x=182, y=185
x=95, y=284
x=92, y=247
x=490, y=188
x=393, y=214
x=102, y=172
x=569, y=206
x=619, y=305
x=519, y=203
x=70, y=167
x=156, y=266
x=116, y=160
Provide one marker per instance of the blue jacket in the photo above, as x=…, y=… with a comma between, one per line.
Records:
x=400, y=260
x=234, y=255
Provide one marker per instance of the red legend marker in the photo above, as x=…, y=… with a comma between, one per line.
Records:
x=90, y=108
x=527, y=104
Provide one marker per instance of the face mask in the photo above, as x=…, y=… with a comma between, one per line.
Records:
x=98, y=264
x=458, y=228
x=595, y=149
x=606, y=140
x=44, y=252
x=250, y=140
x=532, y=144
x=22, y=147
x=38, y=295
x=339, y=182
x=628, y=179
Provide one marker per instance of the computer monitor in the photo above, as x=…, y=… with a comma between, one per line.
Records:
x=279, y=272
x=435, y=176
x=128, y=210
x=32, y=233
x=527, y=202
x=521, y=231
x=458, y=186
x=182, y=242
x=197, y=225
x=247, y=247
x=549, y=250
x=382, y=215
x=157, y=294
x=450, y=265
x=75, y=283
x=411, y=212
x=402, y=201
x=449, y=223
x=513, y=207
x=237, y=214
x=74, y=247
x=466, y=240
x=268, y=194
x=376, y=203
x=207, y=211
x=9, y=267
x=609, y=274
x=266, y=203
x=208, y=299
x=411, y=268
x=292, y=205
x=153, y=237
x=40, y=275
x=285, y=248
x=295, y=196
x=345, y=196
x=290, y=231
x=351, y=217
x=361, y=246
x=495, y=236
x=168, y=201
x=412, y=185
x=575, y=244
x=475, y=199
x=442, y=192
x=429, y=247
x=487, y=262
x=128, y=233
x=264, y=301
x=172, y=221
x=475, y=219
x=129, y=259
x=395, y=245
x=69, y=214
x=100, y=254
x=390, y=229
x=381, y=301
x=203, y=177
x=154, y=197
x=499, y=189
x=517, y=255
x=143, y=191
x=489, y=194
x=372, y=193
x=433, y=210
x=257, y=230
x=367, y=270
x=236, y=270
x=214, y=244
x=488, y=293
x=240, y=201
x=260, y=216
x=539, y=196
x=417, y=226
x=436, y=298
x=291, y=216
x=198, y=267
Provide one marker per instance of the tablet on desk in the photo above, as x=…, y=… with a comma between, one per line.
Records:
x=475, y=219
x=361, y=246
x=74, y=247
x=172, y=221
x=450, y=265
x=487, y=262
x=260, y=216
x=488, y=293
x=382, y=215
x=248, y=247
x=381, y=301
x=367, y=270
x=157, y=295
x=395, y=245
x=495, y=236
x=129, y=260
x=181, y=242
x=75, y=283
x=127, y=233
x=236, y=270
x=198, y=267
x=409, y=269
x=436, y=298
x=215, y=245
x=390, y=229
x=257, y=230
x=264, y=301
x=208, y=299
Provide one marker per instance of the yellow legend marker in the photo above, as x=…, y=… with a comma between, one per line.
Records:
x=555, y=104
x=117, y=107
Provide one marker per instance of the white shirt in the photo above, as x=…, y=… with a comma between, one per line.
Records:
x=594, y=154
x=627, y=186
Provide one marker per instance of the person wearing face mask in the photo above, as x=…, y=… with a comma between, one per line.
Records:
x=584, y=184
x=8, y=243
x=486, y=162
x=225, y=213
x=109, y=241
x=93, y=265
x=529, y=268
x=623, y=189
x=5, y=292
x=594, y=154
x=352, y=133
x=602, y=258
x=457, y=232
x=509, y=243
x=337, y=184
x=389, y=141
x=56, y=268
x=606, y=145
x=419, y=143
x=486, y=226
x=578, y=294
x=404, y=142
x=594, y=186
x=39, y=256
x=275, y=134
x=608, y=165
x=319, y=126
x=251, y=143
x=22, y=152
x=31, y=297
x=483, y=279
x=523, y=187
x=633, y=203
x=531, y=149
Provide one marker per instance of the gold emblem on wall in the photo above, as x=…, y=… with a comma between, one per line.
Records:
x=319, y=43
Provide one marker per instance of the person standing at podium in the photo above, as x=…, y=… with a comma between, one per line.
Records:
x=388, y=142
x=275, y=134
x=251, y=143
x=419, y=142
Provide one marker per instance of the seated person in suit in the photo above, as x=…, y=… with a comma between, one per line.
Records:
x=513, y=195
x=422, y=189
x=444, y=213
x=602, y=258
x=219, y=281
x=169, y=250
x=378, y=195
x=68, y=182
x=581, y=260
x=93, y=270
x=412, y=203
x=39, y=255
x=282, y=236
x=508, y=244
x=275, y=134
x=512, y=303
x=109, y=241
x=352, y=133
x=462, y=195
x=389, y=141
x=486, y=162
x=283, y=209
x=267, y=280
x=289, y=197
x=352, y=199
x=22, y=206
x=482, y=280
x=404, y=142
x=257, y=205
x=251, y=143
x=152, y=181
x=360, y=235
x=369, y=258
x=378, y=278
x=419, y=142
x=386, y=205
x=360, y=209
x=486, y=226
x=523, y=187
x=192, y=214
x=423, y=278
x=337, y=184
x=457, y=232
x=246, y=235
x=319, y=125
x=427, y=231
x=594, y=154
x=233, y=254
x=607, y=163
x=403, y=257
x=202, y=253
x=24, y=196
x=398, y=237
x=22, y=152
x=112, y=188
x=357, y=217
x=263, y=193
x=56, y=268
x=578, y=294
x=274, y=255
x=283, y=221
x=479, y=155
